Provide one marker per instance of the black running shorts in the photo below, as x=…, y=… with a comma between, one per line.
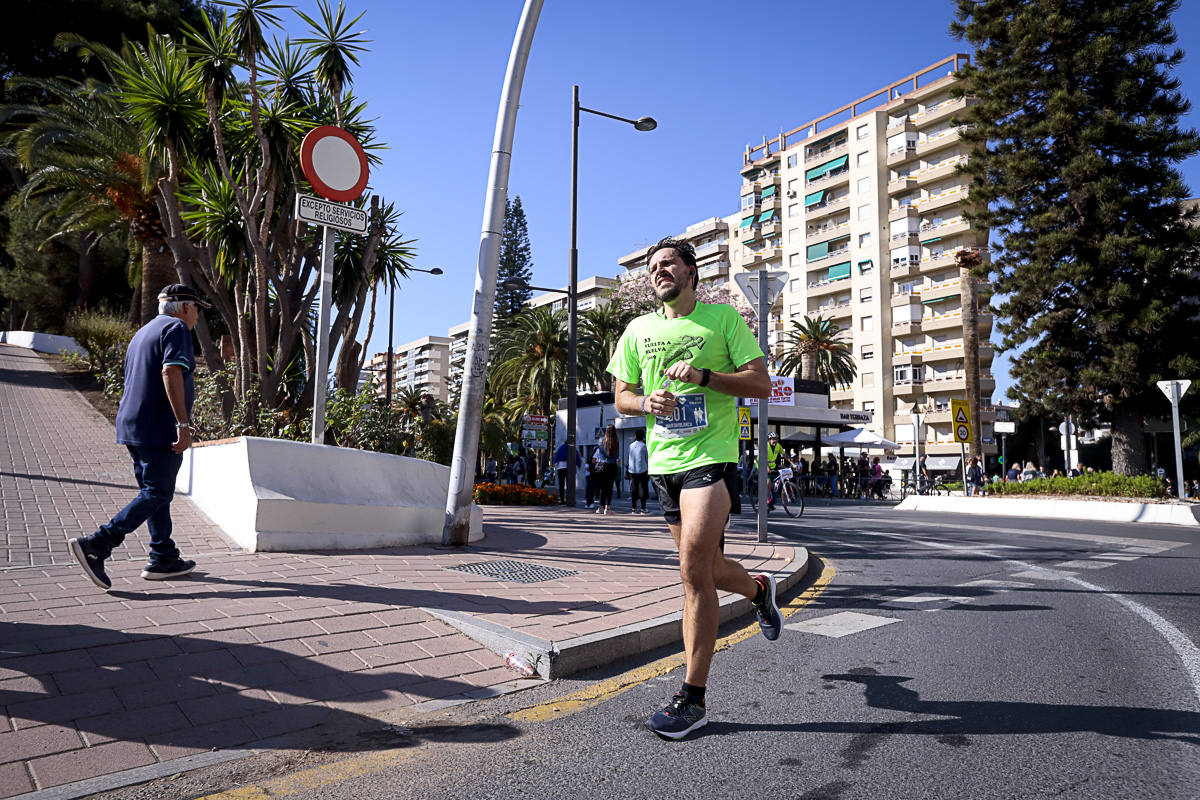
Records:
x=669, y=487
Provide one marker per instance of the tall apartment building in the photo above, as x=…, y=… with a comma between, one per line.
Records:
x=421, y=365
x=863, y=209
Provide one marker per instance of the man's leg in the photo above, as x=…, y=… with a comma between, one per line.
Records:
x=704, y=570
x=151, y=497
x=160, y=466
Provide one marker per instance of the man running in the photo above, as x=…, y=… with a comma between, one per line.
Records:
x=683, y=366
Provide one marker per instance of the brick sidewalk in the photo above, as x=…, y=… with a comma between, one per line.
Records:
x=254, y=646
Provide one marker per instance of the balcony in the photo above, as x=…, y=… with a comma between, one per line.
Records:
x=827, y=152
x=935, y=172
x=712, y=249
x=903, y=298
x=769, y=203
x=759, y=257
x=943, y=110
x=834, y=311
x=955, y=194
x=907, y=357
x=826, y=207
x=946, y=259
x=830, y=179
x=716, y=270
x=771, y=228
x=900, y=155
x=904, y=238
x=936, y=142
x=903, y=212
x=906, y=328
x=901, y=184
x=958, y=383
x=904, y=126
x=909, y=387
x=827, y=230
x=943, y=322
x=818, y=263
x=825, y=287
x=942, y=290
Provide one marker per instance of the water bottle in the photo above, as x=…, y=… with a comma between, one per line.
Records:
x=522, y=666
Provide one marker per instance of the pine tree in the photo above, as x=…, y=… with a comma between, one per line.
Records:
x=1076, y=116
x=516, y=261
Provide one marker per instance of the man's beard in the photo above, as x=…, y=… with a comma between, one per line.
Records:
x=671, y=293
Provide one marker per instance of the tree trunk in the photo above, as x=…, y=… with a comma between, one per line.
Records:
x=158, y=270
x=808, y=365
x=1128, y=443
x=135, y=307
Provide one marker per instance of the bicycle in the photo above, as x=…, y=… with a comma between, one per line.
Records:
x=785, y=490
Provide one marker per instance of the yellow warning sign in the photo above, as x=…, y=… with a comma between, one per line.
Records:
x=743, y=423
x=961, y=413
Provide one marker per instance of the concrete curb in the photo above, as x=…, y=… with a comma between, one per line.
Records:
x=558, y=659
x=1096, y=510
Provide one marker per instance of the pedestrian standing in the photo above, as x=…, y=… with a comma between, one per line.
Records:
x=639, y=472
x=489, y=470
x=682, y=366
x=154, y=424
x=974, y=478
x=608, y=457
x=560, y=466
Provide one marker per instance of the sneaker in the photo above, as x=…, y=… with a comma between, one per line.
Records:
x=769, y=618
x=679, y=718
x=91, y=561
x=172, y=569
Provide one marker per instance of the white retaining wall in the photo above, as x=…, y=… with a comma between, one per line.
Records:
x=271, y=494
x=41, y=342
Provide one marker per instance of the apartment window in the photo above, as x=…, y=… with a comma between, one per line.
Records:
x=792, y=160
x=867, y=324
x=902, y=373
x=748, y=201
x=793, y=185
x=863, y=131
x=869, y=406
x=864, y=239
x=868, y=379
x=863, y=159
x=794, y=285
x=796, y=309
x=864, y=213
x=866, y=295
x=864, y=185
x=793, y=234
x=866, y=267
x=794, y=210
x=868, y=353
x=794, y=260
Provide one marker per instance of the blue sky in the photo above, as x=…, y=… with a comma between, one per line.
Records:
x=716, y=75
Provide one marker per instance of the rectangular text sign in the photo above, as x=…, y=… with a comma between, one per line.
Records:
x=335, y=215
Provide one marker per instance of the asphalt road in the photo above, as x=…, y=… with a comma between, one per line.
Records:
x=949, y=657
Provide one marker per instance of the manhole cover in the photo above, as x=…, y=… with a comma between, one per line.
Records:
x=514, y=571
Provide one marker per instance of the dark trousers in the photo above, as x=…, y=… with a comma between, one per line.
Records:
x=605, y=480
x=562, y=484
x=155, y=469
x=590, y=491
x=639, y=487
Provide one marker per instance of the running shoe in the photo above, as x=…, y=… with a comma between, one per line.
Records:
x=680, y=717
x=91, y=561
x=769, y=618
x=172, y=569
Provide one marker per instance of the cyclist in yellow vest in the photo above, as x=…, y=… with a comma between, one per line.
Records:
x=776, y=457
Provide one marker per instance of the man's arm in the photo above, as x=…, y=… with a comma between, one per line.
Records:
x=750, y=380
x=173, y=382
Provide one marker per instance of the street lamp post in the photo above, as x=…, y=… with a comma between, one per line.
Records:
x=391, y=322
x=641, y=124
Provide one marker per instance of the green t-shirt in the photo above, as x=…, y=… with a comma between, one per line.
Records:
x=704, y=429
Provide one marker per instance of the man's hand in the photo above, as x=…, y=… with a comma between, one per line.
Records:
x=660, y=403
x=183, y=440
x=683, y=371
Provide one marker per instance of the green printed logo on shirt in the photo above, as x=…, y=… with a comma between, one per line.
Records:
x=704, y=428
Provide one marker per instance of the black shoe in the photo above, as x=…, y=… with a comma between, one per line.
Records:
x=769, y=618
x=172, y=569
x=91, y=561
x=679, y=718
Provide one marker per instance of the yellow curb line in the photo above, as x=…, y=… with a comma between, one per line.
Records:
x=594, y=695
x=314, y=778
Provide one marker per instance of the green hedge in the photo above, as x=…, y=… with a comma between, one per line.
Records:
x=1100, y=484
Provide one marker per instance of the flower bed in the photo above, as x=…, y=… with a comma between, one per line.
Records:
x=492, y=494
x=1098, y=484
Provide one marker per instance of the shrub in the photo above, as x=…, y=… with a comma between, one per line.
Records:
x=492, y=494
x=1101, y=484
x=103, y=336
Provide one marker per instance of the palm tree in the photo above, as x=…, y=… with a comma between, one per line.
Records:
x=531, y=361
x=815, y=349
x=968, y=261
x=335, y=47
x=600, y=329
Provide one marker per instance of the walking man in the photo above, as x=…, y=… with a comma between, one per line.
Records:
x=639, y=472
x=153, y=422
x=683, y=366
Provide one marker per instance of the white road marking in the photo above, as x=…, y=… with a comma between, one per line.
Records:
x=1041, y=574
x=1184, y=648
x=1118, y=557
x=1084, y=563
x=995, y=584
x=843, y=623
x=932, y=598
x=1128, y=543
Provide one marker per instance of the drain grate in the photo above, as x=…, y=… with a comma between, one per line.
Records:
x=514, y=571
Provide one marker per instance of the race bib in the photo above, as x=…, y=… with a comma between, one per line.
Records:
x=690, y=417
x=785, y=473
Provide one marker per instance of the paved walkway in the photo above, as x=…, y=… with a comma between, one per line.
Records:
x=254, y=647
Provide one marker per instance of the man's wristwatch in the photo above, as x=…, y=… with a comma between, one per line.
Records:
x=705, y=375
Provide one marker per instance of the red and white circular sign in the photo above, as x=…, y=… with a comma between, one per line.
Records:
x=334, y=163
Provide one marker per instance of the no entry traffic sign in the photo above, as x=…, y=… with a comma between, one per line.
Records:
x=334, y=163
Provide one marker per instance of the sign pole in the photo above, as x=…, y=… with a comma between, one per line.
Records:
x=964, y=468
x=321, y=373
x=763, y=405
x=1175, y=390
